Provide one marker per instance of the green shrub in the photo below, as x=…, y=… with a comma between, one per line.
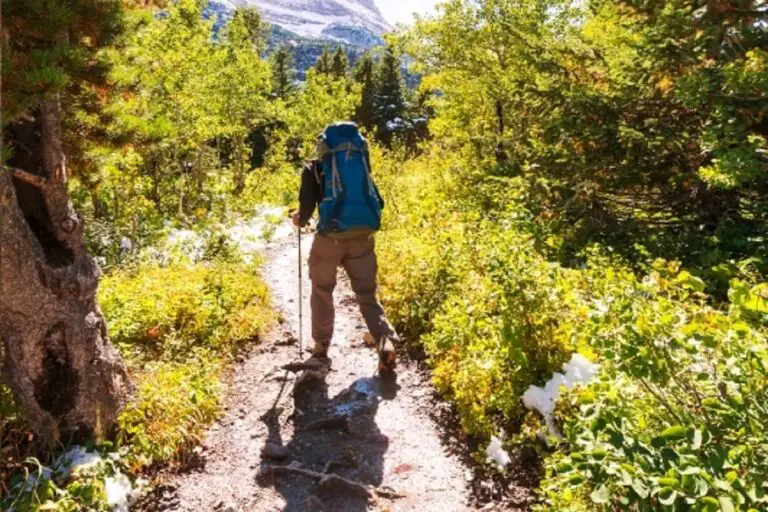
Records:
x=488, y=309
x=420, y=251
x=166, y=311
x=506, y=326
x=178, y=324
x=677, y=418
x=174, y=406
x=33, y=491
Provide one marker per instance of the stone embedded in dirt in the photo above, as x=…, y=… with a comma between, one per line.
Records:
x=404, y=468
x=289, y=340
x=223, y=506
x=275, y=451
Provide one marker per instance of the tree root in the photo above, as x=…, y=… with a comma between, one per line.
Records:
x=328, y=481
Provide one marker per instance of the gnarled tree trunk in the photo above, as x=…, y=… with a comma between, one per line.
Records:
x=58, y=359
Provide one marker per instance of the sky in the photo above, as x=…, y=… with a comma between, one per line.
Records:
x=400, y=11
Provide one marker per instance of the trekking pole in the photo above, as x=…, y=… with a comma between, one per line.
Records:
x=301, y=303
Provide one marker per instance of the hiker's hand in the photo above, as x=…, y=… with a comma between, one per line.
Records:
x=296, y=219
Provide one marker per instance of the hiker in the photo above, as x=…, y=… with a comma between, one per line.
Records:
x=339, y=184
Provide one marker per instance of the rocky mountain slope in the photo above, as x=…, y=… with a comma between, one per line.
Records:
x=355, y=22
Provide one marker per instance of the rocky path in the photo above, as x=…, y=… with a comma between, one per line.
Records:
x=382, y=439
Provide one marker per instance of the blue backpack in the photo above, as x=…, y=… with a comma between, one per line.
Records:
x=350, y=205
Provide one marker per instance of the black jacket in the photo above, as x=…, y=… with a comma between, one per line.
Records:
x=311, y=193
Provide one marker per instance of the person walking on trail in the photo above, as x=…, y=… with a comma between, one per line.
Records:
x=338, y=184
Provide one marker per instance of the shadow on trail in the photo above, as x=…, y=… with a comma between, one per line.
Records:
x=331, y=436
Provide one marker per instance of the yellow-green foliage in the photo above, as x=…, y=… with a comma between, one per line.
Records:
x=677, y=418
x=84, y=490
x=171, y=310
x=175, y=403
x=490, y=309
x=677, y=414
x=189, y=318
x=417, y=267
x=274, y=185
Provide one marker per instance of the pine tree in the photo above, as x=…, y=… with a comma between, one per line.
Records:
x=390, y=105
x=282, y=73
x=339, y=64
x=59, y=361
x=247, y=28
x=364, y=74
x=324, y=63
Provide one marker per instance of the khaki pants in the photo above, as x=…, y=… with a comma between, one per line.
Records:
x=358, y=257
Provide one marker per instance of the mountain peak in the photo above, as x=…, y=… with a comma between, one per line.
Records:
x=357, y=22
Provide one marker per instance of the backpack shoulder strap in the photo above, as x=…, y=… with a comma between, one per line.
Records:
x=317, y=170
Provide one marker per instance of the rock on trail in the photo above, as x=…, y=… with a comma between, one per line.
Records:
x=377, y=440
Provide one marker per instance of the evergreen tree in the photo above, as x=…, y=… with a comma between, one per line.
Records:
x=339, y=63
x=324, y=63
x=247, y=28
x=364, y=74
x=390, y=105
x=282, y=73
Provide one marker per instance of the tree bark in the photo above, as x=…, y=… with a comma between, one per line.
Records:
x=58, y=359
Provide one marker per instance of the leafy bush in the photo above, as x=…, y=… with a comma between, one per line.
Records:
x=169, y=310
x=677, y=418
x=490, y=311
x=419, y=253
x=40, y=490
x=177, y=324
x=175, y=404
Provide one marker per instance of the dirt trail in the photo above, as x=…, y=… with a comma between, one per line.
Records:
x=391, y=441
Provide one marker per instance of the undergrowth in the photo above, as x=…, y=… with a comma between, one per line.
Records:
x=676, y=417
x=178, y=320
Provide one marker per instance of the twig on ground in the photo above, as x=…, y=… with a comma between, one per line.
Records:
x=326, y=481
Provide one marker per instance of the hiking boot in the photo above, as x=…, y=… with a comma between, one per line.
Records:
x=387, y=354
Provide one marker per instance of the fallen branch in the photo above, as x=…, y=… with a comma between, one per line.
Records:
x=326, y=481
